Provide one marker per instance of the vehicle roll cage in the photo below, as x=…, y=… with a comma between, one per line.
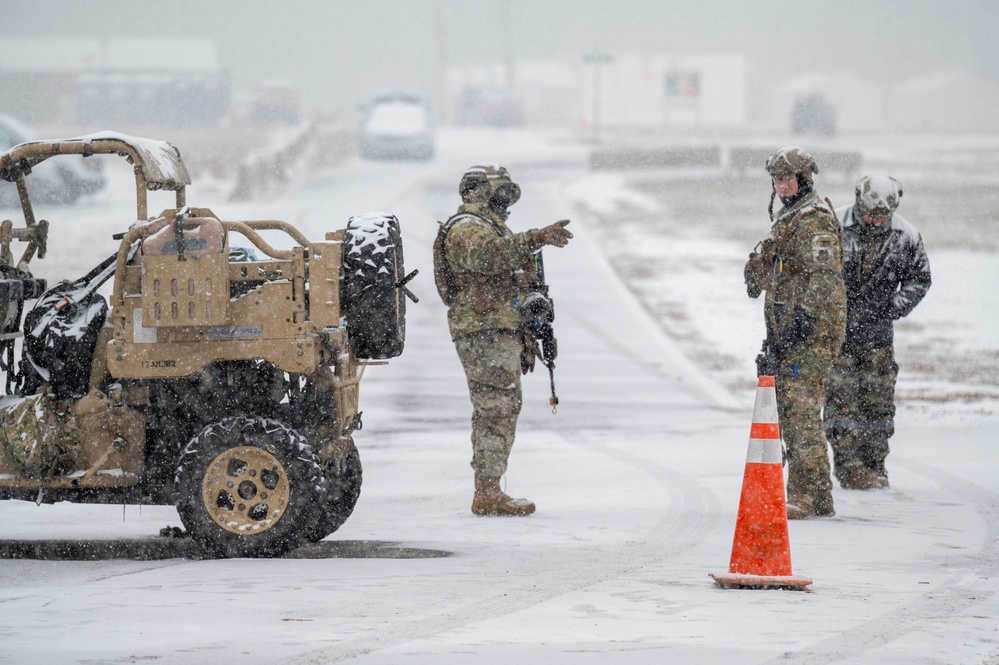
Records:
x=156, y=164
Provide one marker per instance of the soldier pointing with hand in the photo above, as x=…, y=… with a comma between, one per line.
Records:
x=483, y=272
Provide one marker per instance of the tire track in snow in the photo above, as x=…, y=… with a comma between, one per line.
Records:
x=689, y=511
x=682, y=524
x=975, y=584
x=692, y=512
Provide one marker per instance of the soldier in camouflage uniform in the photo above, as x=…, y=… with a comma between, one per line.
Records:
x=482, y=269
x=887, y=274
x=799, y=266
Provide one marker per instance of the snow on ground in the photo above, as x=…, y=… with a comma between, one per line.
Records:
x=685, y=265
x=637, y=477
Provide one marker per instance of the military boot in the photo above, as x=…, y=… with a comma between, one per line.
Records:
x=882, y=474
x=491, y=500
x=823, y=504
x=803, y=506
x=860, y=478
x=800, y=507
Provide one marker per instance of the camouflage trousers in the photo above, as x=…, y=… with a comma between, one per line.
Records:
x=491, y=360
x=801, y=392
x=860, y=410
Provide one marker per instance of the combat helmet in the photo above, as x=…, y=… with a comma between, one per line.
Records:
x=482, y=181
x=878, y=195
x=792, y=160
x=795, y=161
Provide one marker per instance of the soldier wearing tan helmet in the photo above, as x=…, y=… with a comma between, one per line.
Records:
x=481, y=268
x=887, y=274
x=799, y=267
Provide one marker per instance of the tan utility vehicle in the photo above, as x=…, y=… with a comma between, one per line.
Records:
x=221, y=379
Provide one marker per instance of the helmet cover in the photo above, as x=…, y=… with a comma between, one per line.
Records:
x=878, y=195
x=482, y=181
x=792, y=160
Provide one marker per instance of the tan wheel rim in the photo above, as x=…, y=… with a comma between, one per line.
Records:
x=245, y=490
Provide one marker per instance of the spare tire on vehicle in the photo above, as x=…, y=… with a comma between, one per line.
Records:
x=372, y=295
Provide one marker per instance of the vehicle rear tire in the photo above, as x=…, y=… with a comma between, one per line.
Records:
x=249, y=487
x=373, y=303
x=342, y=492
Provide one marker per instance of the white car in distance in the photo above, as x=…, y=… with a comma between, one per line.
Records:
x=397, y=126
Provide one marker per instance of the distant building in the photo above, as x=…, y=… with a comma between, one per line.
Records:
x=537, y=93
x=113, y=82
x=609, y=90
x=942, y=102
x=801, y=105
x=662, y=90
x=945, y=102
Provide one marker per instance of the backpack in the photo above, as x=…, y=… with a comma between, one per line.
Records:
x=60, y=335
x=444, y=279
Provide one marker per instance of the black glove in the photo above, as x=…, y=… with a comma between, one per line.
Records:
x=797, y=332
x=767, y=363
x=759, y=267
x=528, y=352
x=555, y=235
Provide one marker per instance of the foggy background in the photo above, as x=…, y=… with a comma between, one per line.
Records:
x=339, y=53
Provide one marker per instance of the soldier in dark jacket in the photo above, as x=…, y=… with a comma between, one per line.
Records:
x=799, y=266
x=482, y=269
x=887, y=274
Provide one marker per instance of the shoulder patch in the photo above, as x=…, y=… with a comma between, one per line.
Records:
x=822, y=248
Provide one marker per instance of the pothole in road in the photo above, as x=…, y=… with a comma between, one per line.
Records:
x=154, y=549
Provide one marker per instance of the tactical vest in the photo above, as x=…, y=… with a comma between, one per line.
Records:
x=808, y=271
x=444, y=277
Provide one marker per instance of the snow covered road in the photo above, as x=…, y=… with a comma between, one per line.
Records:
x=636, y=478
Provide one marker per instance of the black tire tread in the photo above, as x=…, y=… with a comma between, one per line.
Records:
x=373, y=304
x=308, y=487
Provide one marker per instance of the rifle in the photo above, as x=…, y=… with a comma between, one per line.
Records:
x=768, y=361
x=539, y=315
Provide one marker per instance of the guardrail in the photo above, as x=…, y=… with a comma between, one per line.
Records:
x=268, y=171
x=729, y=161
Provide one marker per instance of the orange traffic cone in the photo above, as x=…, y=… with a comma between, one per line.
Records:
x=761, y=549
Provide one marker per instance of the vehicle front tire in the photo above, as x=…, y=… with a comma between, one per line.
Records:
x=342, y=491
x=249, y=487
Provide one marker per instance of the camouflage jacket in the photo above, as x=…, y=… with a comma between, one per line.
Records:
x=490, y=265
x=800, y=265
x=886, y=276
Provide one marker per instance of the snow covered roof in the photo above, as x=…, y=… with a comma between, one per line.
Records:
x=159, y=161
x=935, y=81
x=817, y=82
x=81, y=54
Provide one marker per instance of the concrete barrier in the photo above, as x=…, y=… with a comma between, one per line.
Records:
x=745, y=161
x=662, y=157
x=733, y=161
